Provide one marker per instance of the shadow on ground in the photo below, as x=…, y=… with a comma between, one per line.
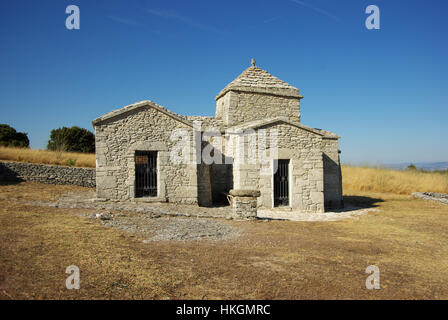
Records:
x=361, y=202
x=9, y=182
x=8, y=176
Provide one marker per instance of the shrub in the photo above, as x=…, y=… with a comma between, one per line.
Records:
x=74, y=139
x=9, y=137
x=70, y=162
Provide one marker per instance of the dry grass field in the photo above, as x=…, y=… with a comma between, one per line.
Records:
x=47, y=157
x=393, y=181
x=407, y=239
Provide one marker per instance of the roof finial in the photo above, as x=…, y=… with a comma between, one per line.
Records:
x=252, y=62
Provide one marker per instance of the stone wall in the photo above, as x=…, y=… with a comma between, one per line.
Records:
x=143, y=129
x=332, y=174
x=304, y=150
x=21, y=171
x=238, y=107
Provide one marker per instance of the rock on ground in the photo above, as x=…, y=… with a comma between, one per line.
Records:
x=432, y=196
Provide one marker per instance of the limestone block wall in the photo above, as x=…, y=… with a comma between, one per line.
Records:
x=332, y=174
x=238, y=107
x=145, y=129
x=222, y=106
x=304, y=150
x=21, y=171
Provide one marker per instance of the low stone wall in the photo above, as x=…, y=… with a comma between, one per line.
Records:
x=22, y=171
x=432, y=196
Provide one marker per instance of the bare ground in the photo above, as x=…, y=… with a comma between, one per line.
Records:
x=406, y=238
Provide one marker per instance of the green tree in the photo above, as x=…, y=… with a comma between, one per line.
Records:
x=9, y=137
x=411, y=167
x=74, y=139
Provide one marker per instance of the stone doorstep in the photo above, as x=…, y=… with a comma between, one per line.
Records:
x=277, y=209
x=132, y=200
x=148, y=199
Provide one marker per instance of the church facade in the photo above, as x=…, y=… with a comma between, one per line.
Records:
x=255, y=144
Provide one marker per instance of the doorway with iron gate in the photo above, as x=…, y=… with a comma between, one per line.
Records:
x=281, y=183
x=145, y=174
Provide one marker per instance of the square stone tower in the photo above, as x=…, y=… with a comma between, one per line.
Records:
x=255, y=95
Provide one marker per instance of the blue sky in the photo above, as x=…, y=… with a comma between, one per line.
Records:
x=384, y=91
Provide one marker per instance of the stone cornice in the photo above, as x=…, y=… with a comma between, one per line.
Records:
x=281, y=92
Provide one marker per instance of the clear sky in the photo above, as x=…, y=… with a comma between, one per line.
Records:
x=384, y=91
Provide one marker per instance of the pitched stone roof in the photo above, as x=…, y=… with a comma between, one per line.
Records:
x=255, y=79
x=264, y=122
x=138, y=105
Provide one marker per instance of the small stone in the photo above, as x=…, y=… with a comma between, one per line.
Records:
x=104, y=216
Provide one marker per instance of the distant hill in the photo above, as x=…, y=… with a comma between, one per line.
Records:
x=428, y=166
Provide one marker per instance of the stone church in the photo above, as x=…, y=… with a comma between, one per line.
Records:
x=262, y=155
